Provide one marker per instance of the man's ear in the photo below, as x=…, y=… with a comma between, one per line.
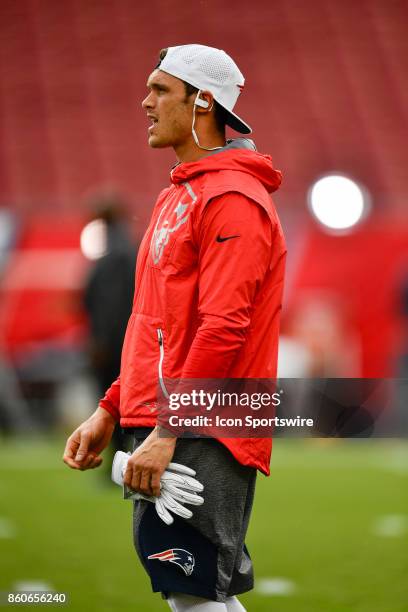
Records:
x=204, y=101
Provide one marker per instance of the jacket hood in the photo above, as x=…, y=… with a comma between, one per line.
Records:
x=239, y=154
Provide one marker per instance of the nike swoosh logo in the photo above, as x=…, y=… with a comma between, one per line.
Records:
x=223, y=239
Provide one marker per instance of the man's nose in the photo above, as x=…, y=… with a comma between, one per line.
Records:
x=148, y=101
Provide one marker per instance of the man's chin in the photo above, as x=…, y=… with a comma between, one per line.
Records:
x=156, y=143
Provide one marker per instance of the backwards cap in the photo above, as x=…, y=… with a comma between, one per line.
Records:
x=212, y=70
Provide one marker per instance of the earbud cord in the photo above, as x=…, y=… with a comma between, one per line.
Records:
x=194, y=132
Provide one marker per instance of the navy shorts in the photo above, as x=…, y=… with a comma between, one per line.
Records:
x=206, y=555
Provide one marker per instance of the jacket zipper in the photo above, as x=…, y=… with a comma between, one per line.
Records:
x=161, y=347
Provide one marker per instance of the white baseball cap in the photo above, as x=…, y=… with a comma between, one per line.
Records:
x=212, y=70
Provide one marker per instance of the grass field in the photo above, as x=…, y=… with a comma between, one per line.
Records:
x=330, y=523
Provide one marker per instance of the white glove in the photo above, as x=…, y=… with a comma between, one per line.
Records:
x=177, y=484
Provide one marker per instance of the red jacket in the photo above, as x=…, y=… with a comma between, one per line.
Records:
x=205, y=308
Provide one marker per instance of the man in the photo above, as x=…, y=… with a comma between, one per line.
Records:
x=108, y=296
x=209, y=281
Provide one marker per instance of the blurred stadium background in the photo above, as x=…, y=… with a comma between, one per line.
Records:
x=326, y=94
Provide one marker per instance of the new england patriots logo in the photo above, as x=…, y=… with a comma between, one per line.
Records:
x=179, y=556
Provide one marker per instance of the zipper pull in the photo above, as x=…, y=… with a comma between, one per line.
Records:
x=160, y=336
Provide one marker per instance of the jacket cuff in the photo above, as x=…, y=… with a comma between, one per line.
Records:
x=106, y=405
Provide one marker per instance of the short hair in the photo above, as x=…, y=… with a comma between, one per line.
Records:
x=220, y=114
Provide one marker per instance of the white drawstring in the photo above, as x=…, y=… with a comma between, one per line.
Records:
x=193, y=128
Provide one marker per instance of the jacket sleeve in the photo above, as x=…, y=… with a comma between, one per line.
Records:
x=235, y=242
x=111, y=399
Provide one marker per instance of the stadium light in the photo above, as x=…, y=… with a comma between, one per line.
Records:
x=94, y=239
x=337, y=202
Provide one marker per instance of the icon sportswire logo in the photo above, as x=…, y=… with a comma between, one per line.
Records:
x=179, y=556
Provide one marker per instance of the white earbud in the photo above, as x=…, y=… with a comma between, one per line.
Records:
x=199, y=102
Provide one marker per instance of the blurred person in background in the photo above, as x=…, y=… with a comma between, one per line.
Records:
x=319, y=341
x=404, y=311
x=209, y=283
x=108, y=296
x=14, y=412
x=402, y=366
x=15, y=416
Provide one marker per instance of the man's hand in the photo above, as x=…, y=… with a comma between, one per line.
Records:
x=88, y=440
x=148, y=462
